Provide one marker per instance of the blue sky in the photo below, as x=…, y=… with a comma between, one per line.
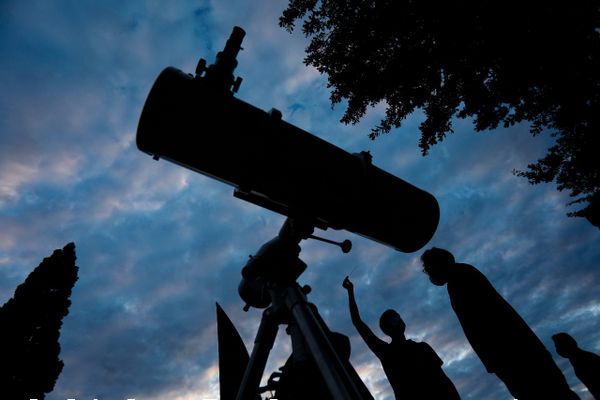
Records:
x=158, y=245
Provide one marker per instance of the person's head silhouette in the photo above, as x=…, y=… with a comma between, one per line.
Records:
x=565, y=344
x=436, y=264
x=392, y=324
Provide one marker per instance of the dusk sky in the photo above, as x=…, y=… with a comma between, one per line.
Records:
x=158, y=245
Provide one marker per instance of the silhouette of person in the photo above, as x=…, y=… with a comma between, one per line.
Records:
x=301, y=379
x=503, y=341
x=585, y=363
x=413, y=369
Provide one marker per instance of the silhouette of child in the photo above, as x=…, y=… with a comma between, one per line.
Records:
x=585, y=363
x=413, y=369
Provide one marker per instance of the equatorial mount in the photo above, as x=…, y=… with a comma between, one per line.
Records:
x=269, y=281
x=277, y=262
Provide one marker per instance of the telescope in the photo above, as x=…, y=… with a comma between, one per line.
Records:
x=195, y=121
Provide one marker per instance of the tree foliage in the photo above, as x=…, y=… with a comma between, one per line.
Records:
x=497, y=62
x=30, y=327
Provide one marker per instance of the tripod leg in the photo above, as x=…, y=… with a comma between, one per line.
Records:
x=263, y=343
x=335, y=375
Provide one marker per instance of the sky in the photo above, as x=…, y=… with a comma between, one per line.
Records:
x=158, y=245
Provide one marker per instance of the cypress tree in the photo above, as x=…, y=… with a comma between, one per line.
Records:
x=30, y=325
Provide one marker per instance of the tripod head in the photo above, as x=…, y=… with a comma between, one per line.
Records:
x=277, y=263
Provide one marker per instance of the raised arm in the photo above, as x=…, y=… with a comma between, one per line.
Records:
x=376, y=345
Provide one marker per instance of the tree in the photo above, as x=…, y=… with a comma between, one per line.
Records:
x=30, y=327
x=497, y=62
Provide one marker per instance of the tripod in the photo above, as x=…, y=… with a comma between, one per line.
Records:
x=270, y=278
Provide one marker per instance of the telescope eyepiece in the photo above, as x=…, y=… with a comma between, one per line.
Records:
x=234, y=43
x=220, y=74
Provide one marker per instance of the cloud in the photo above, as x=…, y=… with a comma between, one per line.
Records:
x=157, y=245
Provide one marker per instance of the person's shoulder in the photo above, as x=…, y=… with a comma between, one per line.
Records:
x=422, y=346
x=417, y=349
x=588, y=356
x=466, y=275
x=466, y=269
x=428, y=352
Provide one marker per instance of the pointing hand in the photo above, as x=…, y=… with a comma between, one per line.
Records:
x=347, y=284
